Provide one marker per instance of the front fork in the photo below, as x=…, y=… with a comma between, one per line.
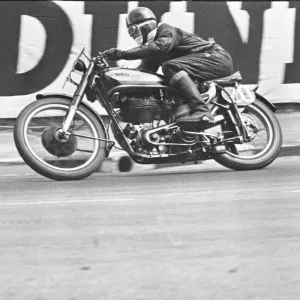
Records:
x=77, y=97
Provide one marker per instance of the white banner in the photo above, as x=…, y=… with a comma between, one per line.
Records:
x=33, y=62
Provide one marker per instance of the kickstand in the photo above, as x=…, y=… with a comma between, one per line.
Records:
x=108, y=148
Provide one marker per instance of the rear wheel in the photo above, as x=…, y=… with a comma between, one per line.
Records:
x=265, y=143
x=40, y=142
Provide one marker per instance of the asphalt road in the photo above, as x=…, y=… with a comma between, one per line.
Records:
x=191, y=233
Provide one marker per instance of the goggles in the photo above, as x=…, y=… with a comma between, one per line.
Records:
x=133, y=29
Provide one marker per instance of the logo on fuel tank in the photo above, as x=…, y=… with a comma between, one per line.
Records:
x=121, y=74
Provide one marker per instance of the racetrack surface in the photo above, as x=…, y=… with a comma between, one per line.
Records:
x=183, y=233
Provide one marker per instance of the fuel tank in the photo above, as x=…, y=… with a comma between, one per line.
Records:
x=132, y=77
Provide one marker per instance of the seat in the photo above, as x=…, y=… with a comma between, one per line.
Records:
x=224, y=81
x=227, y=81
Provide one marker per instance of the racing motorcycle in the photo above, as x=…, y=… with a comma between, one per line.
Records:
x=63, y=137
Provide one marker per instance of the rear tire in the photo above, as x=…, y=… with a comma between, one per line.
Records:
x=45, y=169
x=232, y=161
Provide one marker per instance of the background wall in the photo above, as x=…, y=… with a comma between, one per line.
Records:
x=40, y=40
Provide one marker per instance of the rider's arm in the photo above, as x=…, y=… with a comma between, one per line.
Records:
x=167, y=38
x=142, y=51
x=149, y=65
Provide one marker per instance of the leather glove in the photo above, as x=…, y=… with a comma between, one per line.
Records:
x=113, y=54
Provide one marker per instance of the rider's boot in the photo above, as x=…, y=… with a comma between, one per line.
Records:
x=200, y=114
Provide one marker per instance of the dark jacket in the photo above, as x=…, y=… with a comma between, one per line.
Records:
x=169, y=42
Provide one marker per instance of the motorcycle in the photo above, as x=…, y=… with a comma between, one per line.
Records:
x=63, y=137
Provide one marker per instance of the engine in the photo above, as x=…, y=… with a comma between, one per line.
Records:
x=147, y=117
x=157, y=138
x=139, y=142
x=150, y=121
x=140, y=109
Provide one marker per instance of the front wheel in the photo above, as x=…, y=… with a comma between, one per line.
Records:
x=265, y=143
x=40, y=143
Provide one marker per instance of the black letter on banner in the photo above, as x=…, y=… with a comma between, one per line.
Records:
x=292, y=70
x=158, y=7
x=59, y=39
x=213, y=19
x=251, y=57
x=105, y=23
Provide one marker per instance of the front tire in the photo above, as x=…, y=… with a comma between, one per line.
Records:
x=231, y=158
x=64, y=168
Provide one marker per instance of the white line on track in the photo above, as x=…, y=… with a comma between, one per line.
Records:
x=68, y=201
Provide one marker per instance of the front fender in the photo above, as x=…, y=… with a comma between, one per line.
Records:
x=49, y=95
x=68, y=97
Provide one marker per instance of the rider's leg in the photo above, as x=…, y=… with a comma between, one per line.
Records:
x=199, y=110
x=203, y=66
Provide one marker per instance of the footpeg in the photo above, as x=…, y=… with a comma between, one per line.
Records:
x=218, y=118
x=217, y=149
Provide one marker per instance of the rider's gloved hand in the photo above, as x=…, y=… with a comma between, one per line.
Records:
x=113, y=54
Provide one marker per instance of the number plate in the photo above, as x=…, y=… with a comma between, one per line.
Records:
x=241, y=95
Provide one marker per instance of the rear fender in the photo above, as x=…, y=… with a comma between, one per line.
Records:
x=245, y=96
x=263, y=99
x=88, y=107
x=266, y=102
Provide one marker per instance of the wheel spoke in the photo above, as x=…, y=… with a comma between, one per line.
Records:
x=56, y=150
x=261, y=129
x=258, y=127
x=82, y=150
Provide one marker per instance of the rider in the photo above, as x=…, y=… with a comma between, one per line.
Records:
x=183, y=57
